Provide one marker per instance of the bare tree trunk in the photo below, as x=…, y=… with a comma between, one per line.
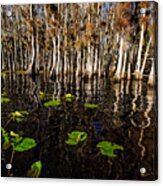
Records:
x=129, y=71
x=100, y=54
x=65, y=63
x=54, y=57
x=129, y=63
x=12, y=61
x=46, y=17
x=96, y=60
x=88, y=66
x=33, y=54
x=124, y=65
x=119, y=64
x=138, y=64
x=15, y=52
x=83, y=62
x=151, y=80
x=145, y=58
x=71, y=61
x=92, y=60
x=78, y=63
x=58, y=70
x=37, y=51
x=32, y=67
x=2, y=59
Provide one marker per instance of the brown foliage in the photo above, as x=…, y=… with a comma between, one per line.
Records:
x=123, y=16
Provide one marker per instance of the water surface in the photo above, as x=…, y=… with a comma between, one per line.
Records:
x=126, y=115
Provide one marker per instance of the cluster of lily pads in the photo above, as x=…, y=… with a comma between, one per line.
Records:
x=21, y=144
x=18, y=143
x=68, y=98
x=18, y=116
x=106, y=148
x=57, y=102
x=4, y=98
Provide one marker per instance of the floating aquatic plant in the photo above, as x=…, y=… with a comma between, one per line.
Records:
x=41, y=95
x=17, y=142
x=69, y=97
x=3, y=94
x=35, y=169
x=53, y=103
x=18, y=116
x=5, y=139
x=90, y=105
x=75, y=137
x=107, y=148
x=5, y=100
x=25, y=145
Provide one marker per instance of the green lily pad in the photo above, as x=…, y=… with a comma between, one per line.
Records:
x=18, y=116
x=75, y=137
x=41, y=95
x=5, y=100
x=13, y=134
x=3, y=94
x=107, y=148
x=35, y=169
x=90, y=105
x=53, y=103
x=25, y=145
x=5, y=139
x=69, y=97
x=24, y=112
x=15, y=138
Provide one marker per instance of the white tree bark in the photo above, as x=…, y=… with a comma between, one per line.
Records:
x=46, y=16
x=65, y=63
x=151, y=80
x=58, y=57
x=15, y=52
x=145, y=58
x=124, y=65
x=33, y=51
x=54, y=56
x=96, y=58
x=119, y=64
x=138, y=64
x=129, y=71
x=88, y=66
x=78, y=63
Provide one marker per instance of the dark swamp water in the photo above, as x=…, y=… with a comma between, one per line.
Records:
x=126, y=115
